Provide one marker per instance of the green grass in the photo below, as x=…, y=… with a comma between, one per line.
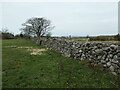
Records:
x=85, y=39
x=50, y=70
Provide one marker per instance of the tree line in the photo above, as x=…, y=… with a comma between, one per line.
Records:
x=105, y=38
x=33, y=27
x=41, y=27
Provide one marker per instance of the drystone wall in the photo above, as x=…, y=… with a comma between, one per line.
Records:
x=106, y=54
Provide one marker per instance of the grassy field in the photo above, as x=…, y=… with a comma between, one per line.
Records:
x=83, y=40
x=20, y=69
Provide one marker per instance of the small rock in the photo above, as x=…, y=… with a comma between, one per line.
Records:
x=113, y=46
x=111, y=68
x=104, y=65
x=99, y=51
x=108, y=64
x=103, y=61
x=114, y=73
x=119, y=71
x=115, y=57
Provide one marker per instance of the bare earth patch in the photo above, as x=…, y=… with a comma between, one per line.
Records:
x=36, y=51
x=25, y=47
x=31, y=50
x=11, y=46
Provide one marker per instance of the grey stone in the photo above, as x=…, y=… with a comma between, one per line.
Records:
x=114, y=61
x=104, y=65
x=98, y=51
x=115, y=57
x=119, y=71
x=113, y=46
x=114, y=73
x=108, y=64
x=111, y=68
x=118, y=54
x=103, y=61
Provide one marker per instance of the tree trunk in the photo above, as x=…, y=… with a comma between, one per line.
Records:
x=39, y=41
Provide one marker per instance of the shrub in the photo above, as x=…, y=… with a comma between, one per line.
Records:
x=7, y=35
x=102, y=38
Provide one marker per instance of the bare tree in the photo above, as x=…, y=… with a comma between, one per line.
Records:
x=26, y=31
x=37, y=27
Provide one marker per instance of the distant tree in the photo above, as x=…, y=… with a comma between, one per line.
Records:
x=6, y=34
x=117, y=37
x=69, y=36
x=37, y=27
x=0, y=34
x=87, y=36
x=26, y=31
x=21, y=35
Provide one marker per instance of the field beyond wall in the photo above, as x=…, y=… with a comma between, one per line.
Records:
x=27, y=65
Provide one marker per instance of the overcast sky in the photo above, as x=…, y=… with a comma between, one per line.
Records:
x=76, y=19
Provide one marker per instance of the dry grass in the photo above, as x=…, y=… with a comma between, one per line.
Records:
x=36, y=51
x=30, y=49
